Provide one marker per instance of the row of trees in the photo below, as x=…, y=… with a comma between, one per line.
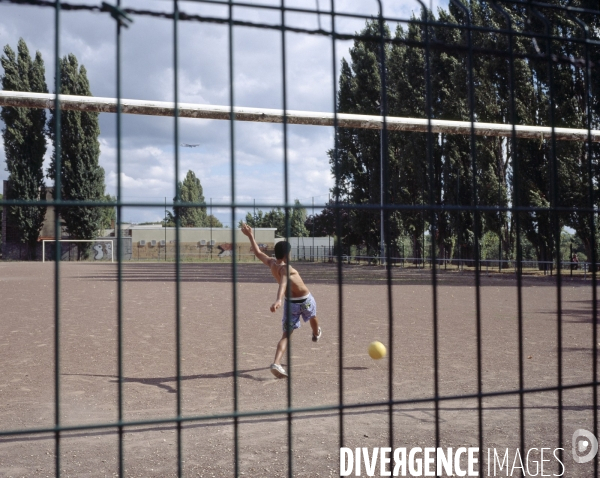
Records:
x=191, y=191
x=277, y=218
x=448, y=171
x=25, y=133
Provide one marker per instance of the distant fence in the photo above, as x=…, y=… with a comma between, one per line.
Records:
x=327, y=254
x=69, y=250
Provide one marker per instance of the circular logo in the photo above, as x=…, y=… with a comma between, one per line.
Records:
x=587, y=443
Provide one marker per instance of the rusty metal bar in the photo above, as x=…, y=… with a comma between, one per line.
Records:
x=314, y=118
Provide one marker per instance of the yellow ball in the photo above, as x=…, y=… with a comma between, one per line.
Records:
x=377, y=350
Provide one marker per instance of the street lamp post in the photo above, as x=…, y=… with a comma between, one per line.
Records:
x=313, y=225
x=329, y=235
x=571, y=256
x=381, y=153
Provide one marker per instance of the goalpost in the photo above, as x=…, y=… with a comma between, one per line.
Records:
x=21, y=99
x=99, y=255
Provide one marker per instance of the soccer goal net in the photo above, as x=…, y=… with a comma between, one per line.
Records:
x=88, y=250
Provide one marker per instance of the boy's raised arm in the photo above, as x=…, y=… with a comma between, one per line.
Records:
x=247, y=231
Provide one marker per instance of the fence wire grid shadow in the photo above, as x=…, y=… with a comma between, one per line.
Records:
x=512, y=64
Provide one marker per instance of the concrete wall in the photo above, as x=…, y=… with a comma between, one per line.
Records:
x=197, y=234
x=19, y=252
x=195, y=243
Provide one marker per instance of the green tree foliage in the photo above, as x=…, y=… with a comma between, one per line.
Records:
x=169, y=220
x=547, y=174
x=1, y=209
x=212, y=221
x=191, y=216
x=357, y=165
x=324, y=224
x=108, y=214
x=273, y=218
x=24, y=142
x=574, y=163
x=191, y=191
x=297, y=221
x=457, y=170
x=82, y=178
x=464, y=172
x=409, y=177
x=276, y=218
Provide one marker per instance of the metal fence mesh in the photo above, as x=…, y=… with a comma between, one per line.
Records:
x=558, y=40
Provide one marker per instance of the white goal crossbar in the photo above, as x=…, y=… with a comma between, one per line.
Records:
x=112, y=252
x=263, y=115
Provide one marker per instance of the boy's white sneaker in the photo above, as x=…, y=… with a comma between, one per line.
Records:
x=316, y=338
x=278, y=371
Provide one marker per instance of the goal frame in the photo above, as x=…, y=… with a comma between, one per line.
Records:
x=112, y=249
x=20, y=99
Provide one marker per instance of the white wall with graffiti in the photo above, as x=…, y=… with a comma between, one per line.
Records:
x=159, y=243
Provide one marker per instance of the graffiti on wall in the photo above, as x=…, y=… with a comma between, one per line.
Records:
x=226, y=250
x=261, y=246
x=102, y=250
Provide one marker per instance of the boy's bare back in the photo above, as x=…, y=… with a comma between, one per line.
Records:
x=279, y=270
x=301, y=304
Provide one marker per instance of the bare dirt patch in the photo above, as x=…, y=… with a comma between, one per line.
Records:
x=89, y=377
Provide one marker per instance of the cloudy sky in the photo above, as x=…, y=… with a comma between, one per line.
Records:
x=148, y=161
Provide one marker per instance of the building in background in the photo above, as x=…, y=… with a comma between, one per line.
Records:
x=154, y=242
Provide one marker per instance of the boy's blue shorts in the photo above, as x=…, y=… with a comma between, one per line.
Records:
x=306, y=309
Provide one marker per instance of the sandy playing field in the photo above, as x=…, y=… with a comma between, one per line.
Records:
x=88, y=367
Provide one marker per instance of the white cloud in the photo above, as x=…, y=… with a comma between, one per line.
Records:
x=3, y=172
x=148, y=153
x=137, y=184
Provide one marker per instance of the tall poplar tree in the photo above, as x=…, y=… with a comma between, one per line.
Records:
x=82, y=177
x=191, y=192
x=543, y=83
x=24, y=142
x=407, y=98
x=358, y=161
x=574, y=104
x=1, y=209
x=550, y=172
x=472, y=170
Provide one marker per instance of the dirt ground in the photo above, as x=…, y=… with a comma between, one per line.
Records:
x=88, y=367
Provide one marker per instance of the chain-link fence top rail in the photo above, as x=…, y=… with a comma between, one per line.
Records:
x=524, y=79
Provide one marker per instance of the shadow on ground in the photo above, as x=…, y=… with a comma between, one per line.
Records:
x=312, y=273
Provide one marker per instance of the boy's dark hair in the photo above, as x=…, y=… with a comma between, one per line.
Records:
x=282, y=249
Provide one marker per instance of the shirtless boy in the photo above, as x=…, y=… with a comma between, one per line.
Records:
x=302, y=303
